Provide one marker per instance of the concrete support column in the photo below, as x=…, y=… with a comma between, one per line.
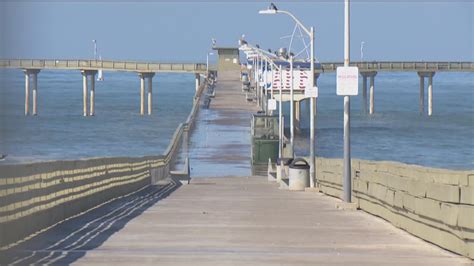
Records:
x=297, y=113
x=34, y=76
x=84, y=92
x=27, y=92
x=142, y=95
x=422, y=94
x=150, y=92
x=92, y=94
x=371, y=75
x=197, y=81
x=364, y=93
x=422, y=76
x=143, y=76
x=371, y=107
x=430, y=94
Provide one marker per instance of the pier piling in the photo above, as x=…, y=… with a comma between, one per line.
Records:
x=92, y=95
x=84, y=93
x=364, y=93
x=143, y=76
x=27, y=92
x=422, y=76
x=86, y=74
x=422, y=94
x=298, y=116
x=371, y=107
x=142, y=94
x=150, y=90
x=371, y=75
x=430, y=94
x=34, y=76
x=197, y=81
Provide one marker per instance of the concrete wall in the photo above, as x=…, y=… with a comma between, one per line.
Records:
x=436, y=205
x=36, y=196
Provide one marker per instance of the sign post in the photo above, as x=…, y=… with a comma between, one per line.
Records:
x=347, y=85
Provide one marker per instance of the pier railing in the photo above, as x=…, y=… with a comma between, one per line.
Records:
x=36, y=196
x=110, y=65
x=394, y=66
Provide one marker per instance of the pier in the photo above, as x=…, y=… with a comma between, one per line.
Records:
x=148, y=134
x=89, y=69
x=146, y=70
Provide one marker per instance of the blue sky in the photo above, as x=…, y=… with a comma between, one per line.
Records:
x=182, y=31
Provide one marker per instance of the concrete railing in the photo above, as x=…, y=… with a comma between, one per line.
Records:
x=108, y=65
x=436, y=205
x=36, y=196
x=394, y=66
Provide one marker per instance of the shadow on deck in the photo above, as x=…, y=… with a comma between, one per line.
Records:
x=72, y=239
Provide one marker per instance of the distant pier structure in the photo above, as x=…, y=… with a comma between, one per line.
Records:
x=89, y=70
x=228, y=65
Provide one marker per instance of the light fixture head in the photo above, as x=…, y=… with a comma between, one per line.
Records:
x=267, y=12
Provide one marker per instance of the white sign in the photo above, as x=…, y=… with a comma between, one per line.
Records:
x=300, y=79
x=347, y=82
x=311, y=92
x=261, y=83
x=272, y=104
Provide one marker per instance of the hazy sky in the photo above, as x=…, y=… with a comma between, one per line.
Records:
x=182, y=31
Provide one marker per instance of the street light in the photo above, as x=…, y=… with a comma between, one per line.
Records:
x=274, y=10
x=95, y=49
x=207, y=61
x=269, y=57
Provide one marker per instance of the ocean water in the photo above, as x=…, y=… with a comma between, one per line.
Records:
x=61, y=132
x=396, y=132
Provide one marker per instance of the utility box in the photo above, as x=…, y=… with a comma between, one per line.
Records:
x=265, y=137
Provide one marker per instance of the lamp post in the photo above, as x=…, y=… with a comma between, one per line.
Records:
x=95, y=49
x=292, y=112
x=207, y=61
x=268, y=58
x=273, y=10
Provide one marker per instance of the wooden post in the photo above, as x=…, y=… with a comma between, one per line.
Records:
x=27, y=91
x=84, y=92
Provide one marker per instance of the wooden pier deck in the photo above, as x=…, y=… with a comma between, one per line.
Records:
x=247, y=221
